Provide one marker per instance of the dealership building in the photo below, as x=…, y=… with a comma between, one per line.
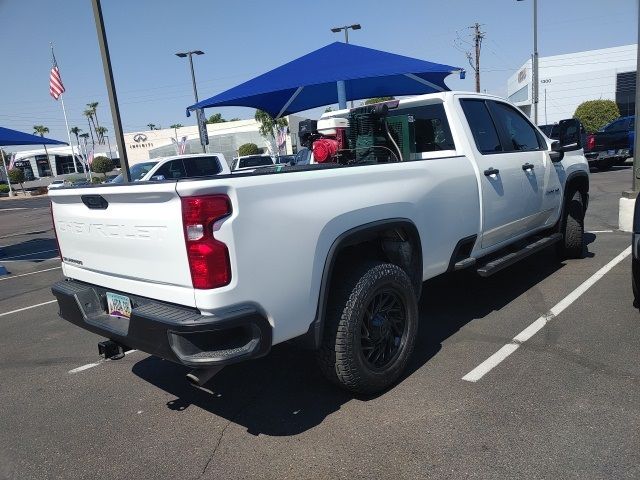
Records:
x=565, y=81
x=224, y=138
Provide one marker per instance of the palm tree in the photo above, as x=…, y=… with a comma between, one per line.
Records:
x=93, y=106
x=84, y=137
x=176, y=125
x=152, y=126
x=89, y=114
x=41, y=130
x=101, y=131
x=76, y=131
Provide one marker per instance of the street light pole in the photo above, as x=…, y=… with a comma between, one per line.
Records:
x=534, y=63
x=111, y=90
x=342, y=91
x=193, y=81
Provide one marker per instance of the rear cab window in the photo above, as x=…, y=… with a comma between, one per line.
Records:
x=202, y=166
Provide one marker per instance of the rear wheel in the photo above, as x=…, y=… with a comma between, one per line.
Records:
x=572, y=228
x=370, y=328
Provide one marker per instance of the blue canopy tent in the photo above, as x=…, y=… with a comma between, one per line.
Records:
x=310, y=81
x=10, y=137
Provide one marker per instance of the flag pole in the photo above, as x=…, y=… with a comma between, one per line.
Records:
x=64, y=112
x=6, y=171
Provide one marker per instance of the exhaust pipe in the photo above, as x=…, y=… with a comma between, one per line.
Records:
x=200, y=376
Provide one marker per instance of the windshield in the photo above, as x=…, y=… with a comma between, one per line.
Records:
x=138, y=171
x=254, y=161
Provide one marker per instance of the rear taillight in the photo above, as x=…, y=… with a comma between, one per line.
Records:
x=53, y=223
x=591, y=142
x=208, y=257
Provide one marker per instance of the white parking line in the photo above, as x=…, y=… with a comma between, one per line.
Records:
x=27, y=308
x=30, y=273
x=28, y=254
x=495, y=359
x=600, y=231
x=12, y=209
x=95, y=364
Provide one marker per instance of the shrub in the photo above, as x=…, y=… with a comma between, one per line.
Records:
x=595, y=114
x=248, y=149
x=97, y=179
x=16, y=176
x=4, y=188
x=101, y=165
x=378, y=100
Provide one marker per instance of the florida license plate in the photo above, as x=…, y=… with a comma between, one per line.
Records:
x=118, y=305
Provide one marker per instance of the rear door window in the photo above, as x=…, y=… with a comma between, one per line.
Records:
x=172, y=170
x=202, y=166
x=482, y=127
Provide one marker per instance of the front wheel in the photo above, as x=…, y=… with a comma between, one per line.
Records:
x=572, y=228
x=370, y=328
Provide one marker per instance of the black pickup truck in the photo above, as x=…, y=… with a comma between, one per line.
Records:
x=612, y=144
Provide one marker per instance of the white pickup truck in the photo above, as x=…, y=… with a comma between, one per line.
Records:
x=399, y=192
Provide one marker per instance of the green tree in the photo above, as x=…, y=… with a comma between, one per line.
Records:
x=234, y=119
x=101, y=131
x=93, y=106
x=41, y=130
x=328, y=109
x=176, y=125
x=268, y=124
x=89, y=114
x=152, y=126
x=17, y=176
x=216, y=118
x=595, y=114
x=378, y=100
x=101, y=165
x=248, y=149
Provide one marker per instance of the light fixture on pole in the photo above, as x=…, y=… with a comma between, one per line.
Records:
x=203, y=139
x=534, y=62
x=342, y=92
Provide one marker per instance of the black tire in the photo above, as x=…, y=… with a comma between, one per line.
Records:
x=346, y=356
x=572, y=228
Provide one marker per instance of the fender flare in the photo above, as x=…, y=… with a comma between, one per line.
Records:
x=350, y=237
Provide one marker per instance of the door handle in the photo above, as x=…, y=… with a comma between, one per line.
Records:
x=527, y=166
x=491, y=171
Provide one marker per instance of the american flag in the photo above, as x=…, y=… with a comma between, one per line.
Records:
x=90, y=158
x=12, y=160
x=56, y=88
x=181, y=145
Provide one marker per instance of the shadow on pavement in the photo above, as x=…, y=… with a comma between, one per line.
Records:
x=284, y=393
x=34, y=250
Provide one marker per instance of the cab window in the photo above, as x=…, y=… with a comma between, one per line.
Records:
x=518, y=134
x=202, y=166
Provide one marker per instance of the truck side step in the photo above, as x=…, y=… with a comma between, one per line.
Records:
x=465, y=263
x=530, y=248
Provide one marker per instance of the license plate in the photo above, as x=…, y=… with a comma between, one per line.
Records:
x=611, y=152
x=118, y=305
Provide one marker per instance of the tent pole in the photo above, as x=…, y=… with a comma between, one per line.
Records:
x=4, y=164
x=342, y=95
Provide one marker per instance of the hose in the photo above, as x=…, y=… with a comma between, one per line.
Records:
x=386, y=126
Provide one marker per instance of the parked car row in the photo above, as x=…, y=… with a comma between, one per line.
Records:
x=609, y=146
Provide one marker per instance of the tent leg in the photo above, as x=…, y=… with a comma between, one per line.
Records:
x=342, y=95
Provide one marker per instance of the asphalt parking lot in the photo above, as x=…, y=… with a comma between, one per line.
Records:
x=564, y=403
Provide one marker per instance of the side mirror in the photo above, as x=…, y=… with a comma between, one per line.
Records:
x=569, y=134
x=557, y=151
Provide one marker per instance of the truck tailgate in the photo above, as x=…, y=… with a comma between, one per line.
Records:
x=131, y=233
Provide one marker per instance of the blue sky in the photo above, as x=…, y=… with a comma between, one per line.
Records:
x=244, y=38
